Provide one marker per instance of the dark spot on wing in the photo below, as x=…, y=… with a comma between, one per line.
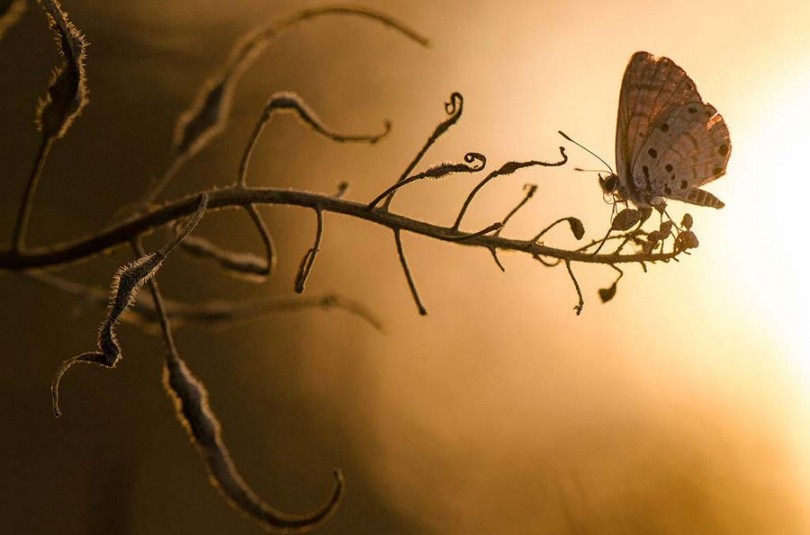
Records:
x=668, y=167
x=665, y=128
x=684, y=184
x=692, y=109
x=723, y=150
x=667, y=190
x=653, y=153
x=717, y=171
x=646, y=171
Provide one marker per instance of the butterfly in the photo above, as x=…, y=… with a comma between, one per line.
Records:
x=668, y=141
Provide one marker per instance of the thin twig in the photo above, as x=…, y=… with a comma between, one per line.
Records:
x=244, y=265
x=21, y=226
x=264, y=235
x=285, y=101
x=581, y=302
x=545, y=230
x=309, y=258
x=530, y=191
x=453, y=109
x=408, y=276
x=475, y=162
x=506, y=169
x=494, y=253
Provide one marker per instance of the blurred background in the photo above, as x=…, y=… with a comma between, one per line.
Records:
x=679, y=407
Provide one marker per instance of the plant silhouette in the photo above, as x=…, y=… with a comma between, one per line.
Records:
x=199, y=126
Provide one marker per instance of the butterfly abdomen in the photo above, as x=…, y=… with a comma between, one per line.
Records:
x=703, y=198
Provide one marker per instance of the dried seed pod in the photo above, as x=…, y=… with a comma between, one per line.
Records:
x=606, y=294
x=67, y=92
x=625, y=219
x=577, y=228
x=686, y=240
x=655, y=236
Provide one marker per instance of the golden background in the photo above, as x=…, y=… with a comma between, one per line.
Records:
x=680, y=407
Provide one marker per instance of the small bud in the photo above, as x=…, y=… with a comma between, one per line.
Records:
x=687, y=221
x=655, y=236
x=625, y=219
x=606, y=294
x=577, y=228
x=686, y=240
x=665, y=228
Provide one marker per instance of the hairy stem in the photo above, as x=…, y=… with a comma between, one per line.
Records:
x=121, y=233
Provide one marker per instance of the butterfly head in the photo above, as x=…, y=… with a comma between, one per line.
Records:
x=609, y=184
x=612, y=189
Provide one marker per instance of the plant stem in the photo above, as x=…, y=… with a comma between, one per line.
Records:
x=18, y=238
x=121, y=233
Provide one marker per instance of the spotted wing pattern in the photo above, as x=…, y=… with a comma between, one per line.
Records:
x=654, y=92
x=686, y=147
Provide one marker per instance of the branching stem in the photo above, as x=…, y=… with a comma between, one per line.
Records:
x=121, y=233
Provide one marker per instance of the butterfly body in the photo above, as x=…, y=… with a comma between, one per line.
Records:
x=668, y=141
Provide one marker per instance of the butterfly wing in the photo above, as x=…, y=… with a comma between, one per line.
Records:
x=687, y=146
x=650, y=86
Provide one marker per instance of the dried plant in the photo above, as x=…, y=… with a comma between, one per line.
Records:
x=628, y=237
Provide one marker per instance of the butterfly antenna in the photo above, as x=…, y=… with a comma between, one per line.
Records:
x=589, y=151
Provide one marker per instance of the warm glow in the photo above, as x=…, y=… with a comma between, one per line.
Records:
x=680, y=407
x=769, y=215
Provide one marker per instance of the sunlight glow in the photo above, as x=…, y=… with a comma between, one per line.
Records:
x=769, y=215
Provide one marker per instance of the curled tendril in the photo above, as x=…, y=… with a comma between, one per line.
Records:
x=455, y=104
x=453, y=109
x=506, y=169
x=474, y=162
